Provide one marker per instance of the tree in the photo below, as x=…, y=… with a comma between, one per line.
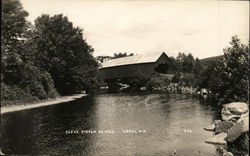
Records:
x=13, y=28
x=101, y=59
x=229, y=79
x=204, y=76
x=62, y=51
x=185, y=62
x=120, y=54
x=19, y=77
x=13, y=23
x=174, y=66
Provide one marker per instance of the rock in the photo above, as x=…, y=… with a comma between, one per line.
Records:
x=239, y=128
x=233, y=110
x=217, y=121
x=245, y=115
x=217, y=139
x=237, y=108
x=222, y=152
x=223, y=126
x=210, y=127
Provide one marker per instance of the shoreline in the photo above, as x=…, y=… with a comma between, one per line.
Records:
x=8, y=109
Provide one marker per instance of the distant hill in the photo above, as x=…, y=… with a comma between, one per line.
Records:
x=206, y=62
x=209, y=59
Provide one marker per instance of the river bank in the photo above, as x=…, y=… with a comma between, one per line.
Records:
x=7, y=109
x=231, y=133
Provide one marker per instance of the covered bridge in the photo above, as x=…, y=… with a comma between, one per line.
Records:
x=134, y=66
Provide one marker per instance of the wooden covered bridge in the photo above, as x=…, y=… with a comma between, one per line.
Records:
x=134, y=66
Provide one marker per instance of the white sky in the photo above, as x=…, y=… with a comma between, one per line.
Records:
x=202, y=28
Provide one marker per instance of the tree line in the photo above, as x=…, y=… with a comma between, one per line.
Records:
x=51, y=57
x=226, y=76
x=101, y=59
x=43, y=59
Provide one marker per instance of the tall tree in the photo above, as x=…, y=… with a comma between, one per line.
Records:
x=64, y=53
x=19, y=77
x=13, y=22
x=185, y=62
x=13, y=28
x=229, y=79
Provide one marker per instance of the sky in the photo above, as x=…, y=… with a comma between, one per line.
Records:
x=202, y=28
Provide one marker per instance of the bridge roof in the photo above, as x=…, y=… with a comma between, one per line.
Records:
x=137, y=59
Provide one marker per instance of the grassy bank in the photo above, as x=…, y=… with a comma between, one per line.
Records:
x=12, y=106
x=24, y=101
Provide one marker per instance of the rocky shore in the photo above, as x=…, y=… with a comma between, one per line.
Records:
x=232, y=130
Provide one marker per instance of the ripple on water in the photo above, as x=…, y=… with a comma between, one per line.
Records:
x=173, y=123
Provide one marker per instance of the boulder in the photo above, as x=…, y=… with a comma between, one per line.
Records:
x=217, y=139
x=223, y=126
x=239, y=128
x=233, y=110
x=210, y=127
x=217, y=121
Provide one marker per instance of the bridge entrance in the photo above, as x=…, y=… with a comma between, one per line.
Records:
x=162, y=68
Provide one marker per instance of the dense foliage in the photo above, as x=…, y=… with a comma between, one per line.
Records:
x=20, y=78
x=158, y=83
x=62, y=51
x=228, y=79
x=225, y=76
x=39, y=60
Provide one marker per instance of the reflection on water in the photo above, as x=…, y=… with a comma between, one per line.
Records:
x=169, y=122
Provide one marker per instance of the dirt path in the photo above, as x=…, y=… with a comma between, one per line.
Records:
x=8, y=109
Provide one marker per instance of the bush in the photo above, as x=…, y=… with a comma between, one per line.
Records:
x=241, y=145
x=93, y=85
x=31, y=82
x=48, y=85
x=158, y=83
x=187, y=80
x=37, y=83
x=12, y=92
x=136, y=83
x=176, y=78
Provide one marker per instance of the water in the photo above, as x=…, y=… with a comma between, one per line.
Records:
x=148, y=124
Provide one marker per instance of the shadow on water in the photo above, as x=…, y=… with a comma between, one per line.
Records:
x=40, y=130
x=170, y=121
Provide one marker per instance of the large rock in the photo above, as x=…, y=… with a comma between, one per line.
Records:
x=223, y=126
x=210, y=127
x=233, y=111
x=217, y=139
x=239, y=128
